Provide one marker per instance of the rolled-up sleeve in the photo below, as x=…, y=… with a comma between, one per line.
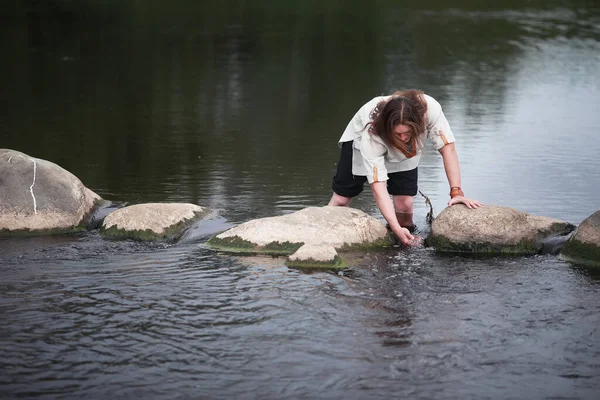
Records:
x=373, y=154
x=438, y=128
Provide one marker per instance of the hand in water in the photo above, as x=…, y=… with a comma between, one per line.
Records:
x=408, y=239
x=416, y=242
x=405, y=236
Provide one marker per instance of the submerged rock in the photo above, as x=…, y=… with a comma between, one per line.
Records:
x=335, y=227
x=584, y=245
x=151, y=221
x=40, y=197
x=316, y=256
x=493, y=229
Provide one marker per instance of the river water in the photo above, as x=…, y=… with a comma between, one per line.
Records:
x=238, y=107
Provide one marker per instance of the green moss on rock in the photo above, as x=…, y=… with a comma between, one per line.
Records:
x=383, y=243
x=442, y=244
x=235, y=244
x=282, y=248
x=42, y=232
x=582, y=253
x=336, y=264
x=172, y=233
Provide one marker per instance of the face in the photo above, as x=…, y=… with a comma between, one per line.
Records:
x=403, y=132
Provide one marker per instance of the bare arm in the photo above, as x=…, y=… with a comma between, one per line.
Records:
x=452, y=168
x=386, y=206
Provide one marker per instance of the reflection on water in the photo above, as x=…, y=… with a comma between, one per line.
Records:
x=245, y=107
x=238, y=108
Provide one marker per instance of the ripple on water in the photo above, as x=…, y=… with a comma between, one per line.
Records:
x=127, y=318
x=150, y=319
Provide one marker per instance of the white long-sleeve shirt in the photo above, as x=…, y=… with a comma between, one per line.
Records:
x=374, y=159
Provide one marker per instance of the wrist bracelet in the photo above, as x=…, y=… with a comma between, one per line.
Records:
x=456, y=191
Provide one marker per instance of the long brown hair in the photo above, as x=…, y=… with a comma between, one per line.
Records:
x=407, y=108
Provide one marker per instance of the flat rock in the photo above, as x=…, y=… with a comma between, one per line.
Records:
x=584, y=245
x=492, y=229
x=151, y=221
x=38, y=196
x=316, y=256
x=337, y=227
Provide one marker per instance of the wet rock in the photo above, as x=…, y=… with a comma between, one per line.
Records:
x=336, y=227
x=40, y=197
x=152, y=221
x=492, y=229
x=316, y=256
x=584, y=245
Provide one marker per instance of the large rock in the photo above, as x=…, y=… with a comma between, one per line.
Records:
x=584, y=245
x=151, y=221
x=38, y=196
x=334, y=227
x=492, y=229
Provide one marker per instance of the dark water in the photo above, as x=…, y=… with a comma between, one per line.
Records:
x=238, y=106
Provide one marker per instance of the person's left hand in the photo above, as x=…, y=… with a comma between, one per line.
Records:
x=467, y=202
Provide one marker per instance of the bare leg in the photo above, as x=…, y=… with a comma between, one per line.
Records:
x=404, y=211
x=337, y=200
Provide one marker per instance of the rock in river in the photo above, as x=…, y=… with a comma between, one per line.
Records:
x=320, y=229
x=584, y=245
x=152, y=221
x=492, y=229
x=39, y=197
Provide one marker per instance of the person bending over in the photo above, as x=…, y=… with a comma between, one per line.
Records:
x=383, y=144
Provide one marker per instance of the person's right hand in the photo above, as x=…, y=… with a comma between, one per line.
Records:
x=405, y=236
